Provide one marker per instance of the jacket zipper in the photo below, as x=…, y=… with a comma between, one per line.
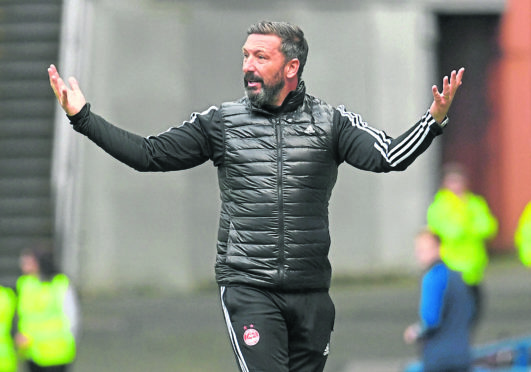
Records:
x=280, y=195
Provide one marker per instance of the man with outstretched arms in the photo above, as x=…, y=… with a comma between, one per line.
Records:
x=277, y=151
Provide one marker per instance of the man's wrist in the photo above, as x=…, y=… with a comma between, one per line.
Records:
x=74, y=119
x=440, y=121
x=444, y=122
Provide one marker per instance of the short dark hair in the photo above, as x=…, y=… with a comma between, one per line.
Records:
x=42, y=251
x=293, y=45
x=454, y=168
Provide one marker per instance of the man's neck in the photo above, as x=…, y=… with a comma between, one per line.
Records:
x=287, y=101
x=290, y=86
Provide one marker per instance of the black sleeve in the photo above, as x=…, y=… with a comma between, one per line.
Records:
x=372, y=149
x=178, y=148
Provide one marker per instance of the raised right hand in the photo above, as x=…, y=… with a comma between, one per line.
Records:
x=71, y=100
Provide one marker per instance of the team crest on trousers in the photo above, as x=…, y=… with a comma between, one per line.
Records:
x=251, y=335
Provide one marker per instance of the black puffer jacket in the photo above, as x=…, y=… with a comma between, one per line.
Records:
x=276, y=171
x=275, y=181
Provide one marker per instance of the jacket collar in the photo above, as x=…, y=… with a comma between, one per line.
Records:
x=293, y=100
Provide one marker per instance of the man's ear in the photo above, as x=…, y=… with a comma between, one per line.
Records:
x=292, y=68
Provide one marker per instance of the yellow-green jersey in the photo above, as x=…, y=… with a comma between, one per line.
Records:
x=42, y=319
x=463, y=224
x=8, y=356
x=522, y=236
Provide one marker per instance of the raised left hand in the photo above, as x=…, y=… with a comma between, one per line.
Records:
x=442, y=101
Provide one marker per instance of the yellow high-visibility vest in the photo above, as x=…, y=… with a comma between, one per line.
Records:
x=8, y=356
x=43, y=321
x=522, y=236
x=463, y=224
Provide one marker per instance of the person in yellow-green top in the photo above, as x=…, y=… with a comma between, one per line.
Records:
x=522, y=236
x=464, y=222
x=8, y=356
x=48, y=315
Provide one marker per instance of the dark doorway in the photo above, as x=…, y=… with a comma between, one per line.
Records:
x=470, y=41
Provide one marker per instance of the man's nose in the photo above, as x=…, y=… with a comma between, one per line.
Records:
x=248, y=64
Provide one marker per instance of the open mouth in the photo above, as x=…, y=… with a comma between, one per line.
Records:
x=252, y=82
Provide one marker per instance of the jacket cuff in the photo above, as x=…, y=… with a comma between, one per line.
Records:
x=82, y=114
x=432, y=123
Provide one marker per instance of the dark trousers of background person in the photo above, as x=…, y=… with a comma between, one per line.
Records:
x=32, y=367
x=479, y=302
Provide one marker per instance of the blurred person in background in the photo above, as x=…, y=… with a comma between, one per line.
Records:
x=446, y=311
x=48, y=313
x=464, y=222
x=8, y=356
x=522, y=236
x=277, y=151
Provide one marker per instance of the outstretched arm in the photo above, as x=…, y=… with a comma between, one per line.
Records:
x=442, y=101
x=71, y=100
x=178, y=148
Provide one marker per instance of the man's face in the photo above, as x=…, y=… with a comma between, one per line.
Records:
x=426, y=250
x=263, y=70
x=29, y=265
x=456, y=183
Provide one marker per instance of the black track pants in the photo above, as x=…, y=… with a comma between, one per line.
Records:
x=278, y=331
